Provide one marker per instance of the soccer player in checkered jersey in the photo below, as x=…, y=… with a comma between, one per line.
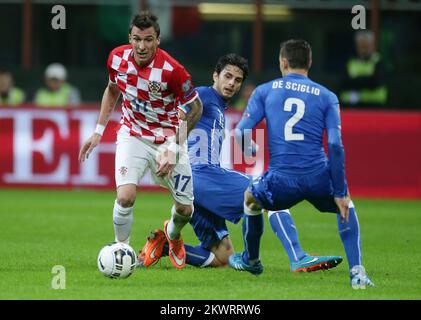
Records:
x=153, y=84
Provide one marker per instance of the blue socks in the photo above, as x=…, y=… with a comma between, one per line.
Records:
x=195, y=255
x=252, y=233
x=350, y=236
x=283, y=226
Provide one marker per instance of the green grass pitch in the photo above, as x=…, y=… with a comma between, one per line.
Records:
x=41, y=229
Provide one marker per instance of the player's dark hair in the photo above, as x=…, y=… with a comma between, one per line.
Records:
x=235, y=60
x=297, y=52
x=144, y=20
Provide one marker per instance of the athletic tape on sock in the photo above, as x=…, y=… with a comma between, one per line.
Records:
x=272, y=212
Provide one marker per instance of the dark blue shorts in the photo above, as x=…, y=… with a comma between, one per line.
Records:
x=208, y=227
x=275, y=191
x=218, y=196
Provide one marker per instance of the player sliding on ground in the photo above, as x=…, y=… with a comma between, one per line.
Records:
x=218, y=192
x=298, y=111
x=153, y=84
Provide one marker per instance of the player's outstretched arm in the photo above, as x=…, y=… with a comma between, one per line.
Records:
x=108, y=102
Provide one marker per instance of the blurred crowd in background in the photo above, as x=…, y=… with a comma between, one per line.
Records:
x=66, y=67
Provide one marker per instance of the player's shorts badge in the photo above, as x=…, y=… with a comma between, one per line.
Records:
x=154, y=86
x=123, y=171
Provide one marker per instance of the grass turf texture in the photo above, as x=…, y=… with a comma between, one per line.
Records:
x=41, y=229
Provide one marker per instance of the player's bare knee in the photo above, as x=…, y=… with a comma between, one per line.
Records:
x=183, y=209
x=125, y=202
x=250, y=201
x=126, y=199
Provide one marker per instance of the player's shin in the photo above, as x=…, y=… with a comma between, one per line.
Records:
x=176, y=223
x=350, y=236
x=252, y=233
x=123, y=220
x=283, y=226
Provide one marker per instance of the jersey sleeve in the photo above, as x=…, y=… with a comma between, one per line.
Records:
x=333, y=119
x=112, y=73
x=255, y=110
x=181, y=86
x=335, y=147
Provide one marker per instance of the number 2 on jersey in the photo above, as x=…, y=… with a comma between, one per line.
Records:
x=289, y=135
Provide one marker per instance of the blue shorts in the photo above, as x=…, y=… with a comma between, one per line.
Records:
x=218, y=196
x=275, y=191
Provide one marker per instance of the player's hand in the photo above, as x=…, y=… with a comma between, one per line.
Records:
x=181, y=114
x=343, y=205
x=165, y=163
x=88, y=146
x=252, y=149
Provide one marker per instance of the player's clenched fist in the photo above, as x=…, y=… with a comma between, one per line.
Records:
x=343, y=206
x=88, y=146
x=166, y=162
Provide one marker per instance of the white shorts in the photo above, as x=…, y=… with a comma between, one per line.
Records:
x=134, y=155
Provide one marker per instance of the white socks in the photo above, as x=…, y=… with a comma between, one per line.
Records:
x=177, y=222
x=123, y=220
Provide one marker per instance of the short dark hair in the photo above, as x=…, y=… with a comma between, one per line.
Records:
x=144, y=20
x=235, y=60
x=297, y=52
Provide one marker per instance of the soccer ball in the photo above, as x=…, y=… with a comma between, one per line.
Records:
x=117, y=260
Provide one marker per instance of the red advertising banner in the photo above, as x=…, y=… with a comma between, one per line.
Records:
x=383, y=153
x=39, y=148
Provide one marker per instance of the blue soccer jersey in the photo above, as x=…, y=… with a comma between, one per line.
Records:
x=297, y=110
x=205, y=140
x=218, y=192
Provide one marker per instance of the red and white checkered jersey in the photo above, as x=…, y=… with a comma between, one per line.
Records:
x=151, y=93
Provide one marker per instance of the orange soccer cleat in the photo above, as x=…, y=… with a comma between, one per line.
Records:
x=152, y=250
x=176, y=251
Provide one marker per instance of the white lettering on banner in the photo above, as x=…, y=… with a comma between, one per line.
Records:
x=42, y=148
x=89, y=169
x=24, y=145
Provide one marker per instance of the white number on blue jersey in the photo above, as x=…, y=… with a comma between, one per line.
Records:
x=289, y=135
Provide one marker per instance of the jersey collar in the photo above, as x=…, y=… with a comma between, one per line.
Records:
x=295, y=75
x=222, y=101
